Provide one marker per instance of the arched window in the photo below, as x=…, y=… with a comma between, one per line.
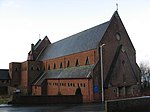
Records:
x=61, y=65
x=38, y=68
x=16, y=69
x=77, y=63
x=87, y=61
x=32, y=68
x=68, y=63
x=49, y=67
x=54, y=66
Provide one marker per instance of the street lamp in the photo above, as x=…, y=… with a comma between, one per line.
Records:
x=102, y=74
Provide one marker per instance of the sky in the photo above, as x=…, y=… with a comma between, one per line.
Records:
x=23, y=22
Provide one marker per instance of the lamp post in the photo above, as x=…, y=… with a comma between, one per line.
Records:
x=102, y=74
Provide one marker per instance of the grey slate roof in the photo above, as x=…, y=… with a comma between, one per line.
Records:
x=4, y=74
x=79, y=42
x=72, y=72
x=37, y=44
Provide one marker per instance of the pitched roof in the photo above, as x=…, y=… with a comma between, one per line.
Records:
x=4, y=74
x=72, y=72
x=37, y=44
x=83, y=41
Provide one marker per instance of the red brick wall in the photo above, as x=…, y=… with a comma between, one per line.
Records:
x=14, y=70
x=36, y=90
x=69, y=86
x=82, y=56
x=126, y=67
x=112, y=43
x=24, y=82
x=28, y=72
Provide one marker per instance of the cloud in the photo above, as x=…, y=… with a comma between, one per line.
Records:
x=9, y=4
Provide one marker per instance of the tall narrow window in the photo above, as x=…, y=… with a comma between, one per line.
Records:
x=54, y=66
x=68, y=64
x=16, y=69
x=77, y=63
x=49, y=67
x=43, y=67
x=32, y=68
x=61, y=65
x=38, y=68
x=87, y=61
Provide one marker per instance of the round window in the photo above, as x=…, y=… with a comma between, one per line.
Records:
x=118, y=36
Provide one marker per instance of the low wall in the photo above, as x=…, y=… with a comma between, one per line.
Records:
x=139, y=104
x=35, y=100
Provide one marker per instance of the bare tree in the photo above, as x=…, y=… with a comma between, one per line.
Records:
x=145, y=75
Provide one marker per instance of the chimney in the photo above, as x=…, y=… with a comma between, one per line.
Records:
x=32, y=48
x=30, y=54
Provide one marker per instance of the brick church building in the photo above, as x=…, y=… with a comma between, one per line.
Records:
x=61, y=67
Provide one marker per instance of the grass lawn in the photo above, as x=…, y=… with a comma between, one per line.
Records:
x=4, y=99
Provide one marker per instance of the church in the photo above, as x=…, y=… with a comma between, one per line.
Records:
x=101, y=61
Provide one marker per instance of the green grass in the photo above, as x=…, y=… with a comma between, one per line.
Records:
x=4, y=100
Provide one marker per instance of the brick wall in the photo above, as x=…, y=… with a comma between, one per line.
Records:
x=14, y=70
x=125, y=71
x=36, y=90
x=82, y=56
x=69, y=86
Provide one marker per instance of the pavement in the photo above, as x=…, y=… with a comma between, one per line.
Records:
x=91, y=107
x=94, y=107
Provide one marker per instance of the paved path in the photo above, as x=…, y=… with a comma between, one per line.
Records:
x=85, y=108
x=95, y=107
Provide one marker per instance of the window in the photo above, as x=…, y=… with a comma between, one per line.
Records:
x=38, y=68
x=61, y=65
x=49, y=83
x=54, y=66
x=123, y=62
x=81, y=84
x=32, y=68
x=114, y=90
x=73, y=85
x=68, y=64
x=87, y=61
x=84, y=85
x=77, y=63
x=118, y=36
x=49, y=67
x=16, y=69
x=123, y=49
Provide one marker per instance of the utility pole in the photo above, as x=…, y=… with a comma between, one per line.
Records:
x=102, y=74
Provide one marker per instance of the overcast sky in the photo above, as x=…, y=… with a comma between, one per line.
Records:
x=21, y=22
